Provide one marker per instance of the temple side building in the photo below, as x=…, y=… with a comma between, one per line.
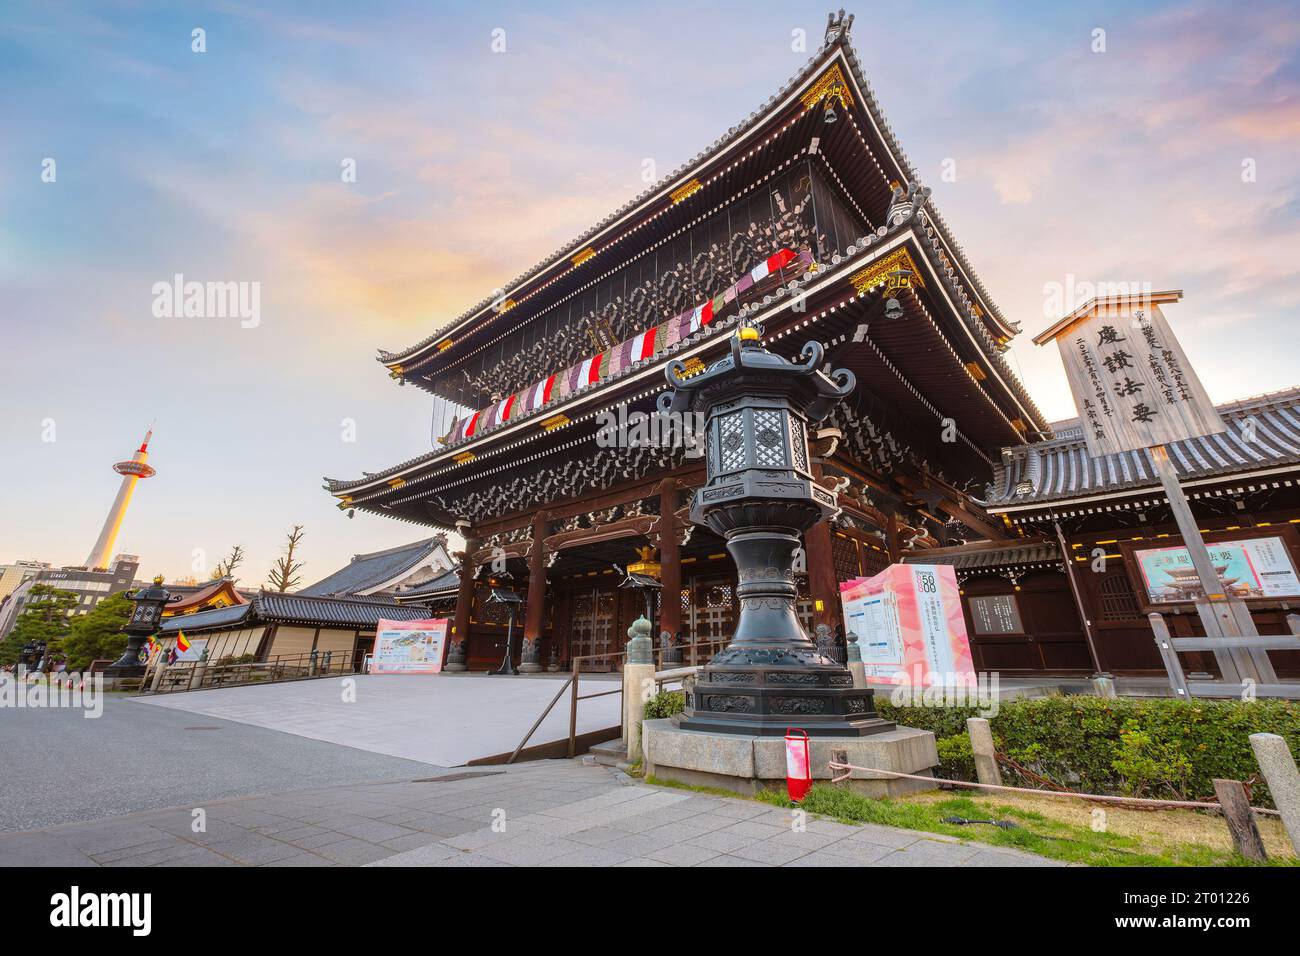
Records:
x=1097, y=549
x=805, y=218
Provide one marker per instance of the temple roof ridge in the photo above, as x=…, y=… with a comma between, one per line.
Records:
x=640, y=199
x=1060, y=469
x=836, y=41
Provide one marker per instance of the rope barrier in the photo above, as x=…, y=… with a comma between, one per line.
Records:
x=1090, y=797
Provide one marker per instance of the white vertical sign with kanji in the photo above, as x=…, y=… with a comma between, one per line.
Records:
x=1131, y=380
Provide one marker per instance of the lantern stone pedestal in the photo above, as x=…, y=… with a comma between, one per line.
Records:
x=748, y=764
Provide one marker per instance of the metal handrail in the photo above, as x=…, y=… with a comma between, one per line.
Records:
x=573, y=685
x=278, y=669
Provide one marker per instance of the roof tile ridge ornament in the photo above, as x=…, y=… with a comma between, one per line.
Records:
x=837, y=27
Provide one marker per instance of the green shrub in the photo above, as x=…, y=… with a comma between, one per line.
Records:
x=956, y=760
x=1142, y=762
x=1160, y=747
x=666, y=703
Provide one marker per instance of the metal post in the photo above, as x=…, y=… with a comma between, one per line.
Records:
x=573, y=711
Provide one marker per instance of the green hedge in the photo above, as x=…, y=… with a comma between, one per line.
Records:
x=1157, y=747
x=666, y=703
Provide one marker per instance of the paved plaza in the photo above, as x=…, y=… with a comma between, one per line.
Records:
x=547, y=813
x=443, y=719
x=60, y=767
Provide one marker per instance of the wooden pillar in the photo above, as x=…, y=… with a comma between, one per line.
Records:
x=822, y=586
x=535, y=615
x=891, y=537
x=670, y=560
x=465, y=597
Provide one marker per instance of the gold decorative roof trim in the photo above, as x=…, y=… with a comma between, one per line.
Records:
x=681, y=193
x=464, y=457
x=554, y=422
x=878, y=272
x=693, y=366
x=830, y=83
x=583, y=256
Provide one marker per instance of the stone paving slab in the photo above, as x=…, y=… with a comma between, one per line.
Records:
x=476, y=715
x=549, y=813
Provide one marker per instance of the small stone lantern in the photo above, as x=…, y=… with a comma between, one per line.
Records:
x=760, y=497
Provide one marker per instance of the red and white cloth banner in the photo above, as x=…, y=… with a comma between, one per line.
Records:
x=643, y=346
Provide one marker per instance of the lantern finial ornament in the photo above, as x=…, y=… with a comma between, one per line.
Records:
x=760, y=496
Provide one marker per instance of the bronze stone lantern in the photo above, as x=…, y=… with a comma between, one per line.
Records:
x=760, y=496
x=145, y=618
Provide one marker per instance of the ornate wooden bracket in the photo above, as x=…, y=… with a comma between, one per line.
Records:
x=639, y=525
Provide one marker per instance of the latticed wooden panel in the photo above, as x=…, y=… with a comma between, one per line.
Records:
x=874, y=560
x=1118, y=602
x=844, y=555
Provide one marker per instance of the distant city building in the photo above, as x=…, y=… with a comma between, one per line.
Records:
x=90, y=587
x=12, y=575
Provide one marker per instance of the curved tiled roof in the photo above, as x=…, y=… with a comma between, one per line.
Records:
x=271, y=607
x=366, y=571
x=779, y=296
x=448, y=581
x=976, y=557
x=822, y=57
x=205, y=620
x=1262, y=433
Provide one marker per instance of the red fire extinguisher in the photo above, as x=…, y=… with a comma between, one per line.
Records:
x=798, y=764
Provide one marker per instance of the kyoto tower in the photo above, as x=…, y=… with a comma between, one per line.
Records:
x=131, y=472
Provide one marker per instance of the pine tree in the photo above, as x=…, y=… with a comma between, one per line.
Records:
x=98, y=635
x=44, y=618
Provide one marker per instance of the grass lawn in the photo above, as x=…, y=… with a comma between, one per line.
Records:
x=1059, y=829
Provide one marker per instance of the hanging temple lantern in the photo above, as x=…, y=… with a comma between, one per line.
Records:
x=760, y=497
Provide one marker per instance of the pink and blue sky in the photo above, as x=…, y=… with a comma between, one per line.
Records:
x=1123, y=165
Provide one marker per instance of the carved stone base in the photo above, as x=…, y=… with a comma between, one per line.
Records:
x=757, y=690
x=749, y=764
x=455, y=657
x=530, y=658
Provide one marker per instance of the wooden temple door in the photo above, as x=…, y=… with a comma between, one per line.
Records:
x=581, y=636
x=713, y=613
x=604, y=626
x=593, y=626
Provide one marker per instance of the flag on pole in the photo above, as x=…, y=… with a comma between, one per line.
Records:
x=182, y=644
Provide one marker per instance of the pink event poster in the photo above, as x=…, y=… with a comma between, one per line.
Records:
x=909, y=624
